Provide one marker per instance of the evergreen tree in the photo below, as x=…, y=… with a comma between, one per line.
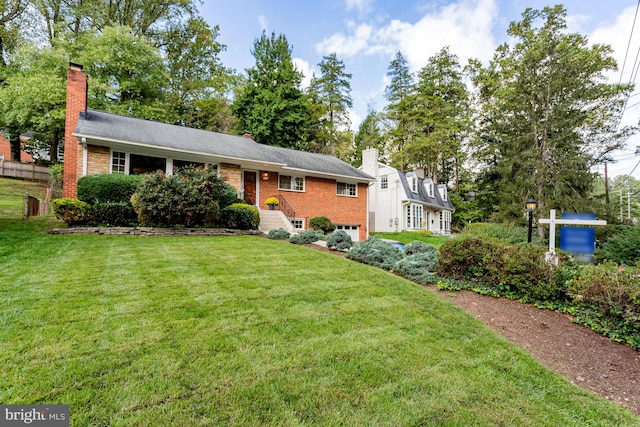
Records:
x=271, y=105
x=369, y=135
x=331, y=97
x=438, y=111
x=399, y=88
x=547, y=116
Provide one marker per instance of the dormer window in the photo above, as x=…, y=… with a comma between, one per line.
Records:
x=443, y=192
x=428, y=185
x=414, y=183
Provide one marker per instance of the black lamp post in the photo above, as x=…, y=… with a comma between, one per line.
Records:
x=531, y=206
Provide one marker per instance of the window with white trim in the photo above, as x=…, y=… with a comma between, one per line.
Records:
x=298, y=223
x=445, y=221
x=414, y=184
x=118, y=162
x=347, y=189
x=414, y=216
x=384, y=182
x=291, y=183
x=429, y=186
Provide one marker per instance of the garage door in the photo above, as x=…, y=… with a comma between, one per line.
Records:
x=351, y=230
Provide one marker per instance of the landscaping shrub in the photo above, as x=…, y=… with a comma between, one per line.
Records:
x=417, y=247
x=376, y=252
x=517, y=271
x=190, y=197
x=508, y=233
x=115, y=214
x=622, y=248
x=278, y=234
x=339, y=240
x=322, y=223
x=241, y=216
x=608, y=301
x=73, y=212
x=111, y=187
x=304, y=237
x=418, y=267
x=464, y=259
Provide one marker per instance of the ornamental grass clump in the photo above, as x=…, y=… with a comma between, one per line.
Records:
x=375, y=252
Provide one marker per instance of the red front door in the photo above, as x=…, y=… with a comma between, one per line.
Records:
x=250, y=187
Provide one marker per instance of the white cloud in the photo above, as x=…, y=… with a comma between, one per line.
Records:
x=264, y=22
x=464, y=26
x=360, y=5
x=304, y=67
x=347, y=45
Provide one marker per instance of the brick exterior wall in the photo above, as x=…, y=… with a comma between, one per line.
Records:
x=319, y=199
x=76, y=103
x=98, y=159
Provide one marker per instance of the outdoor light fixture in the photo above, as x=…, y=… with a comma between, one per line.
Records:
x=531, y=206
x=265, y=176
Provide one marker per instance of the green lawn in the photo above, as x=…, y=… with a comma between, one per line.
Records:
x=411, y=236
x=12, y=192
x=187, y=331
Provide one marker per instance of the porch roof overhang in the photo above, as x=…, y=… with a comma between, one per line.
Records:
x=429, y=205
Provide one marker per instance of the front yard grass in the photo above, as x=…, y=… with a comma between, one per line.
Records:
x=190, y=331
x=407, y=237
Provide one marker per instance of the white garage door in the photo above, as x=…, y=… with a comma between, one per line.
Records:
x=351, y=230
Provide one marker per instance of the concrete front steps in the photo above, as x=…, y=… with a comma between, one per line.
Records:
x=272, y=220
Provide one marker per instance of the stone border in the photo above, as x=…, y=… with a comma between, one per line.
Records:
x=153, y=231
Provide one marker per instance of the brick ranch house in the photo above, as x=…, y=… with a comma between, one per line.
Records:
x=307, y=184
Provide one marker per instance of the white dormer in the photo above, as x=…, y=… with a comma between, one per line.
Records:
x=428, y=185
x=443, y=191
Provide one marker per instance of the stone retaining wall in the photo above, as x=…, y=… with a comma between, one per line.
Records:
x=153, y=231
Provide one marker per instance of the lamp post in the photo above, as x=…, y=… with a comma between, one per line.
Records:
x=531, y=206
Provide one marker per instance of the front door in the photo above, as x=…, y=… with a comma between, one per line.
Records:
x=250, y=179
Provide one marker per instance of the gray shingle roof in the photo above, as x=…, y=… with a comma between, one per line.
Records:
x=99, y=125
x=422, y=195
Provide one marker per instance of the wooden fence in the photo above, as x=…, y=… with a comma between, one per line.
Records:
x=24, y=171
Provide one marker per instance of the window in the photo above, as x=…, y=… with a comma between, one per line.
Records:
x=346, y=189
x=443, y=192
x=414, y=216
x=139, y=164
x=445, y=221
x=118, y=162
x=292, y=183
x=413, y=181
x=429, y=187
x=384, y=182
x=298, y=223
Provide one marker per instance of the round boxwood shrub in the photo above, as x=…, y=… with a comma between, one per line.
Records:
x=73, y=212
x=376, y=252
x=278, y=234
x=111, y=187
x=339, y=240
x=304, y=237
x=322, y=223
x=241, y=216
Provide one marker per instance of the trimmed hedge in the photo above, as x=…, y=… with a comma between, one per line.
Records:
x=111, y=188
x=241, y=216
x=115, y=214
x=73, y=212
x=322, y=223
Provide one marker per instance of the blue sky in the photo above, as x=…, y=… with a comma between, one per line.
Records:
x=366, y=34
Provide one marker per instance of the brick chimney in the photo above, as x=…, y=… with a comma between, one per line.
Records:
x=76, y=104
